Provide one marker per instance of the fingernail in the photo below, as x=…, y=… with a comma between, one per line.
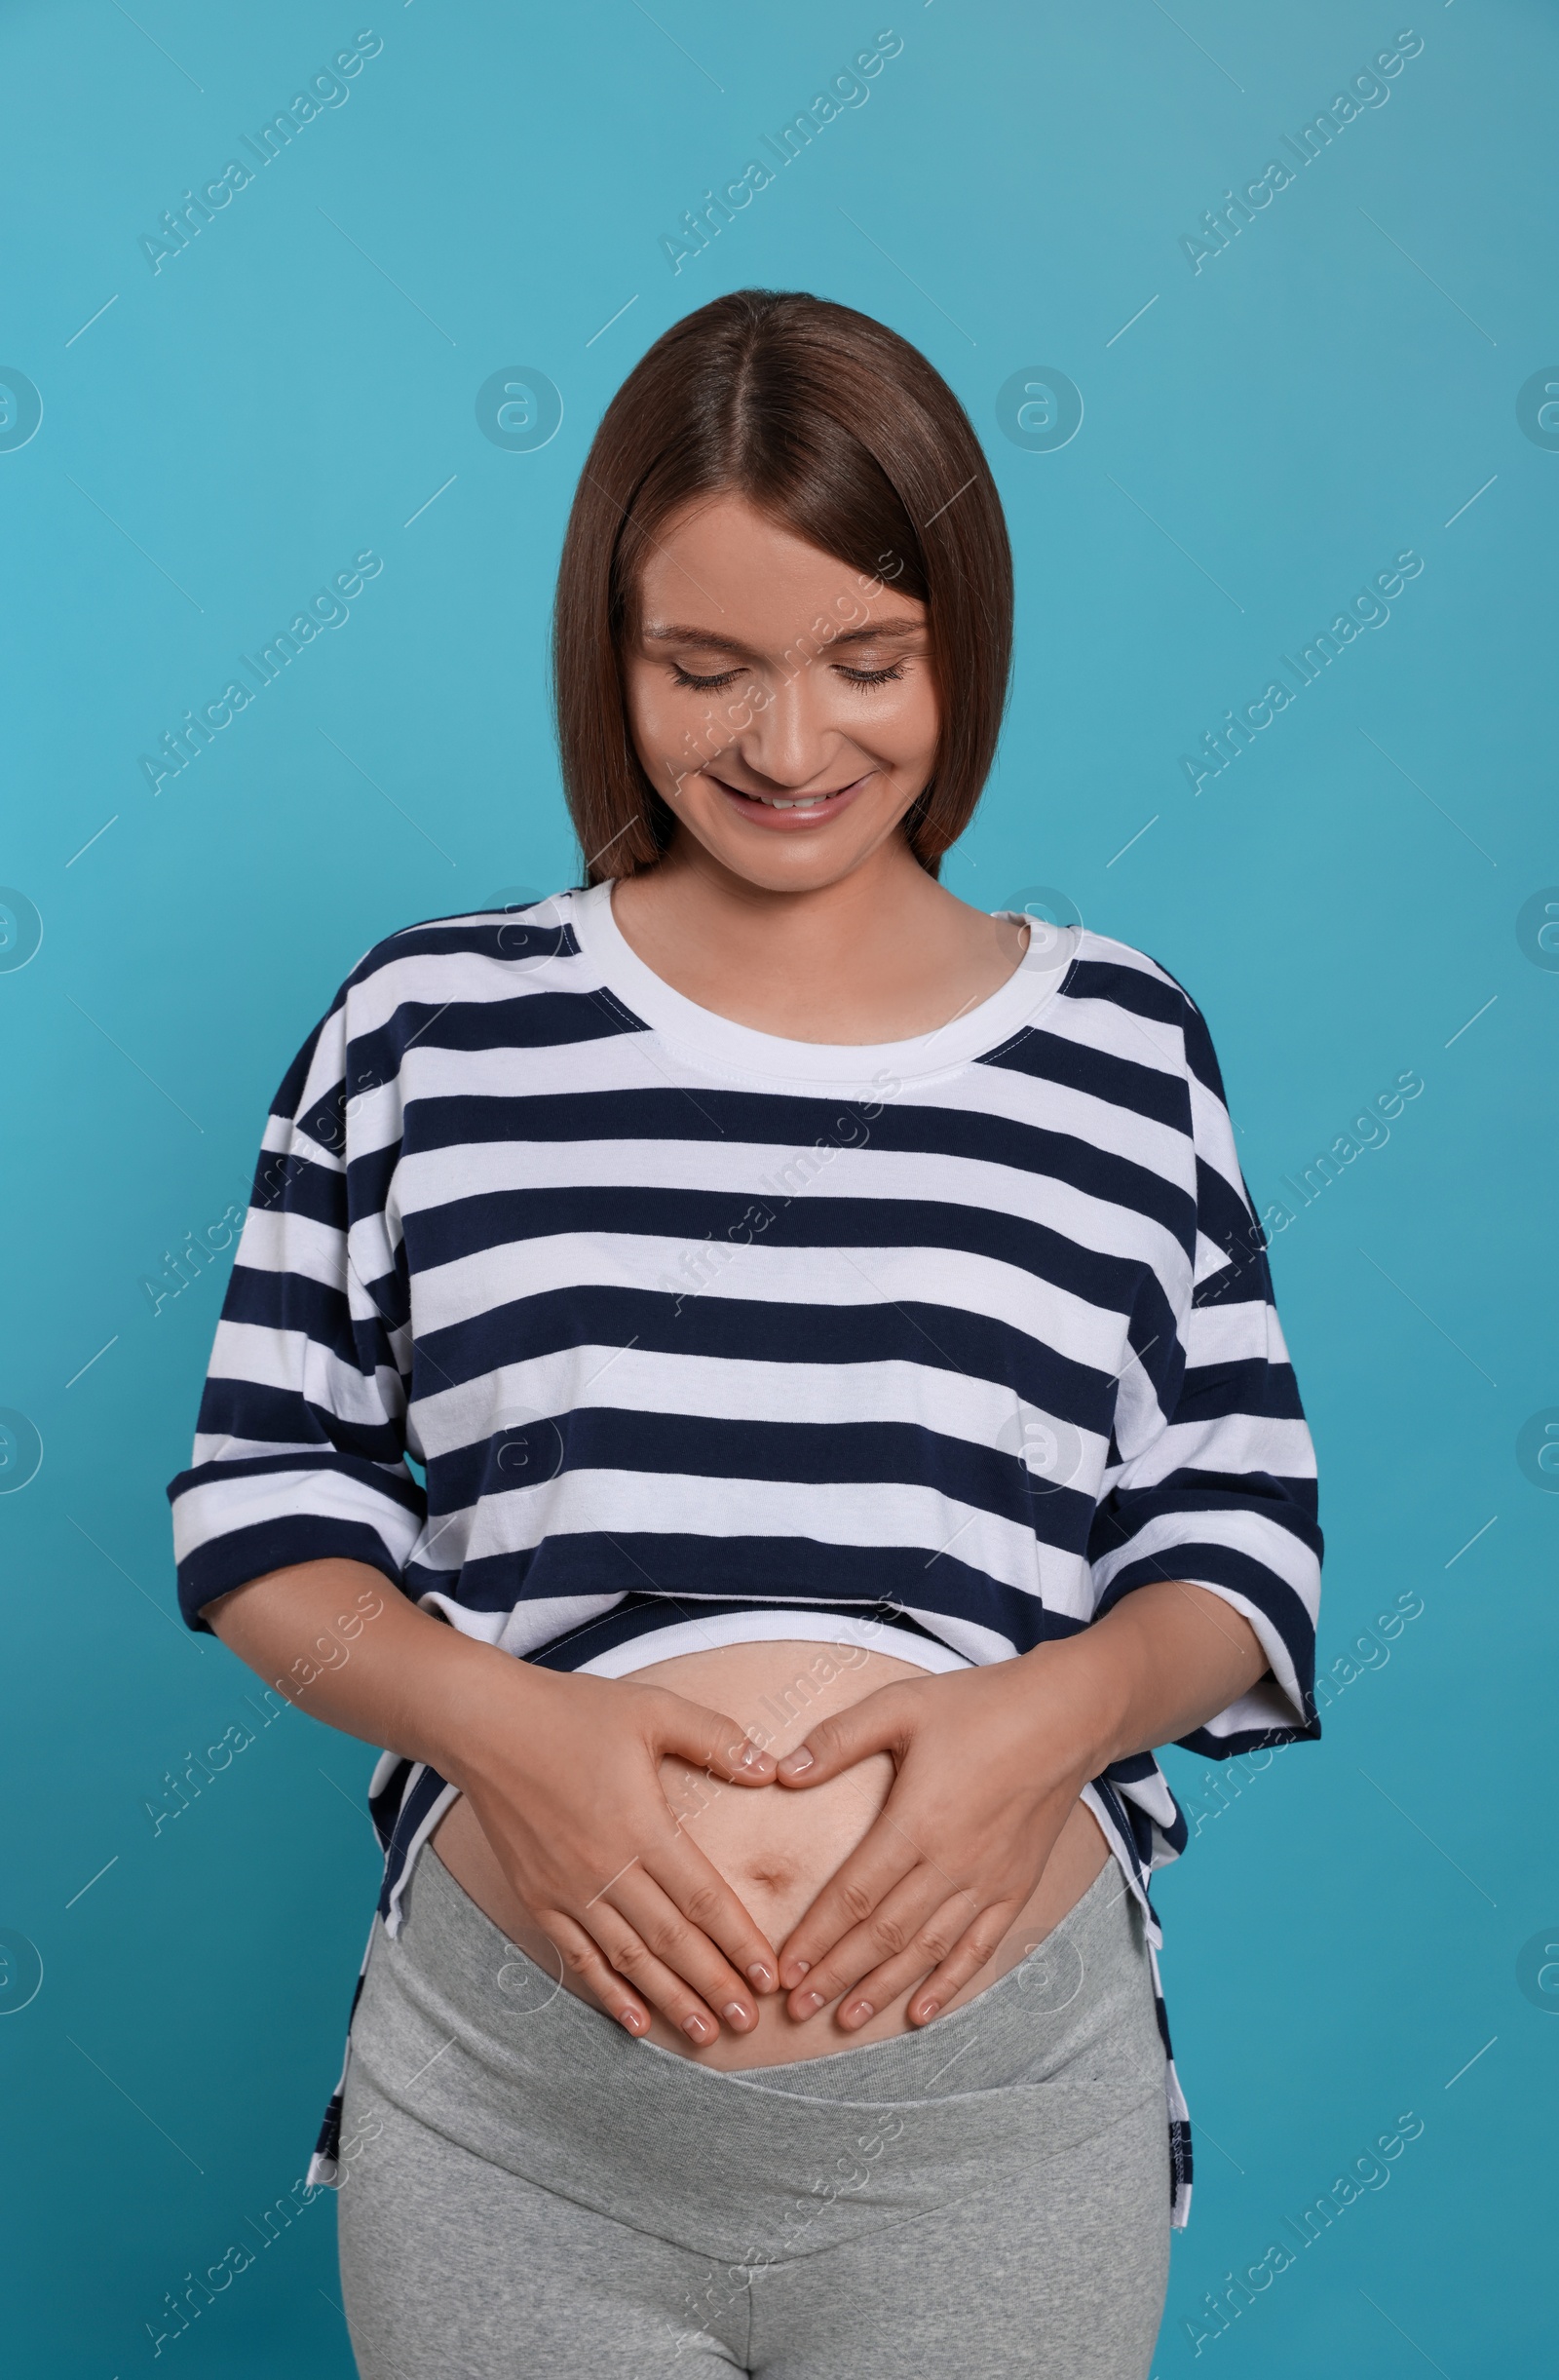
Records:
x=736, y=2015
x=630, y=2019
x=760, y=1979
x=751, y=1756
x=810, y=2004
x=927, y=2010
x=795, y=1762
x=800, y=1967
x=697, y=2027
x=859, y=2012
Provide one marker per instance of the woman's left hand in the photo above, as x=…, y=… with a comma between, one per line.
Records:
x=990, y=1762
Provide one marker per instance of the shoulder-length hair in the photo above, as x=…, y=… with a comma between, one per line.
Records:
x=842, y=433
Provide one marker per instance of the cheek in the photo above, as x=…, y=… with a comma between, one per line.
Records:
x=899, y=724
x=680, y=723
x=651, y=710
x=660, y=718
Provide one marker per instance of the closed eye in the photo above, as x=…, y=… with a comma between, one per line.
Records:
x=728, y=678
x=686, y=677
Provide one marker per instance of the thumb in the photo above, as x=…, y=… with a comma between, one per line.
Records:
x=874, y=1724
x=710, y=1739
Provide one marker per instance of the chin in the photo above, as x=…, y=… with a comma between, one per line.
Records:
x=788, y=869
x=795, y=862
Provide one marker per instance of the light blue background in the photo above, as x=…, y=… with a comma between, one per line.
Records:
x=300, y=385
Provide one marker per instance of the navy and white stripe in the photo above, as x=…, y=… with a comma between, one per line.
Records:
x=970, y=1335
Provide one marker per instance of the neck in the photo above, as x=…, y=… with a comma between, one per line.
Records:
x=767, y=930
x=882, y=954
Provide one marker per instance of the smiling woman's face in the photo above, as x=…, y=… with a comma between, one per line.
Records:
x=781, y=702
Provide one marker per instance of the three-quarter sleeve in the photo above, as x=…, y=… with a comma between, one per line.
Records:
x=1212, y=1476
x=300, y=1449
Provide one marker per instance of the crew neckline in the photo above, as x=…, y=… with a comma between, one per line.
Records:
x=741, y=1049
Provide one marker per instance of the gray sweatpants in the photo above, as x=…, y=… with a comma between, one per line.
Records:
x=529, y=2191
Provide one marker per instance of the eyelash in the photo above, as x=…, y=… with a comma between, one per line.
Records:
x=727, y=677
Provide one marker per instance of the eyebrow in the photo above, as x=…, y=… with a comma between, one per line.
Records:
x=880, y=631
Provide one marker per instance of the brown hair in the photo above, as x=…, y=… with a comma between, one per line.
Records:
x=842, y=432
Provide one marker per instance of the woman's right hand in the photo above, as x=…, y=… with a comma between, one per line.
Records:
x=562, y=1773
x=561, y=1770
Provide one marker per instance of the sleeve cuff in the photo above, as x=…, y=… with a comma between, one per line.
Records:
x=1280, y=1707
x=238, y=1556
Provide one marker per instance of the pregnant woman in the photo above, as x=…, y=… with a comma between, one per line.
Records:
x=758, y=1383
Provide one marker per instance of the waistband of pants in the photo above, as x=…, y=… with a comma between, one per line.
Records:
x=467, y=2035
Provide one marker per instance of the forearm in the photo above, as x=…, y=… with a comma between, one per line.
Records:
x=990, y=1762
x=343, y=1644
x=561, y=1772
x=1163, y=1661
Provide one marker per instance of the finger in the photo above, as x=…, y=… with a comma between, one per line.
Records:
x=945, y=1935
x=681, y=1945
x=885, y=1932
x=879, y=1722
x=883, y=1857
x=633, y=1942
x=715, y=1929
x=709, y=1740
x=965, y=1960
x=585, y=1958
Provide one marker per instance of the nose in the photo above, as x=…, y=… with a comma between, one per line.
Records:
x=786, y=740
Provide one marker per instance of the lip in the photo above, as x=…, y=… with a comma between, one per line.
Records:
x=791, y=822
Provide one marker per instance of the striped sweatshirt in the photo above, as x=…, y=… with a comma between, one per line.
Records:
x=608, y=1329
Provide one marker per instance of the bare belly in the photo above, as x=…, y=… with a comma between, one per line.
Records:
x=776, y=1848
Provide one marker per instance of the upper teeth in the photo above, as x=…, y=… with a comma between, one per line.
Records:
x=800, y=801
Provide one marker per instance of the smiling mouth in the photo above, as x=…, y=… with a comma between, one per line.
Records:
x=788, y=802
